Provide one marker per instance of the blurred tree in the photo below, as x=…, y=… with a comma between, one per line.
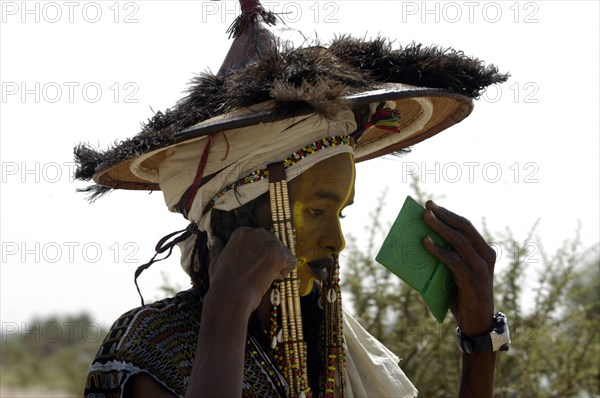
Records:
x=554, y=323
x=52, y=353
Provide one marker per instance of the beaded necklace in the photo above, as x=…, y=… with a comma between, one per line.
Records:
x=331, y=340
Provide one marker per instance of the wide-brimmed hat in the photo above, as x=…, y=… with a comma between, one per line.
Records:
x=425, y=90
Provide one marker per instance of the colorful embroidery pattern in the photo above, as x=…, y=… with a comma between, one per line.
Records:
x=160, y=340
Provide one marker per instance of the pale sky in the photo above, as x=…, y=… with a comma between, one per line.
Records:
x=92, y=71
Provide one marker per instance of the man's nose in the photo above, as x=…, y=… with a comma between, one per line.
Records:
x=333, y=238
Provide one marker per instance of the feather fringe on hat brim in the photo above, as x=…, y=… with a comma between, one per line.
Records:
x=308, y=79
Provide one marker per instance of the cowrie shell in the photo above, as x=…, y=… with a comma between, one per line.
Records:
x=275, y=297
x=331, y=296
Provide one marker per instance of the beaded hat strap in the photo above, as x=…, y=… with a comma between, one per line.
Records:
x=292, y=336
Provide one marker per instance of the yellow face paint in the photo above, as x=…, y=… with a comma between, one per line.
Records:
x=305, y=275
x=298, y=215
x=347, y=199
x=317, y=198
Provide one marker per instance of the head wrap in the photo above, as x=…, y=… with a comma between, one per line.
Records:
x=234, y=155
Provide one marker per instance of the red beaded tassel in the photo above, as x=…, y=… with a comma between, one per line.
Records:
x=333, y=335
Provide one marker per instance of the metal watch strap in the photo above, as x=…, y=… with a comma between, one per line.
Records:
x=498, y=339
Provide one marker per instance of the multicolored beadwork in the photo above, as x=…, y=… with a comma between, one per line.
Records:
x=332, y=335
x=291, y=160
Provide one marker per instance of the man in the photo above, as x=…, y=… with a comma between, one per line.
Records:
x=291, y=124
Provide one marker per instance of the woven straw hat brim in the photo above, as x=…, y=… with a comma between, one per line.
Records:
x=447, y=109
x=282, y=83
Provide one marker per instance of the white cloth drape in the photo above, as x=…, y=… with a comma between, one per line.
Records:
x=371, y=369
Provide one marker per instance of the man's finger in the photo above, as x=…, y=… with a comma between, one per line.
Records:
x=457, y=239
x=286, y=271
x=452, y=259
x=288, y=263
x=466, y=227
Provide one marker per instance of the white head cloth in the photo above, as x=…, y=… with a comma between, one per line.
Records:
x=235, y=154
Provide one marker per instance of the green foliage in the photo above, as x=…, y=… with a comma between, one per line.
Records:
x=556, y=346
x=52, y=354
x=552, y=302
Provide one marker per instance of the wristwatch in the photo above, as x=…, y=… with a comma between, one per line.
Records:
x=496, y=340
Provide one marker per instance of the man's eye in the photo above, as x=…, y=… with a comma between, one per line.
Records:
x=315, y=212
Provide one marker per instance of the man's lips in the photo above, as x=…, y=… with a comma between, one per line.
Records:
x=319, y=267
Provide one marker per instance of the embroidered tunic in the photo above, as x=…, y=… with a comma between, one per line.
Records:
x=160, y=340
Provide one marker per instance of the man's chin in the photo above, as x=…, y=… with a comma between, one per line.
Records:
x=306, y=278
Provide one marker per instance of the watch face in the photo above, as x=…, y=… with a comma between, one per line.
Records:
x=500, y=336
x=497, y=340
x=500, y=321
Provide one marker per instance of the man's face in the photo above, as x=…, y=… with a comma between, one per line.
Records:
x=317, y=198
